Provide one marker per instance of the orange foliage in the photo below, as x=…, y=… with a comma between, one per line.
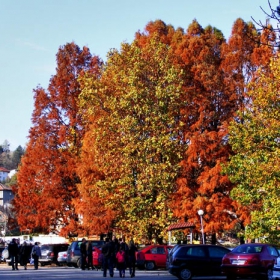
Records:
x=47, y=179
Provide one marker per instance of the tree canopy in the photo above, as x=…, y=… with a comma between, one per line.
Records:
x=139, y=142
x=254, y=167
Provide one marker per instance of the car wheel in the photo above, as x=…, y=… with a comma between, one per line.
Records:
x=78, y=263
x=150, y=265
x=185, y=274
x=269, y=275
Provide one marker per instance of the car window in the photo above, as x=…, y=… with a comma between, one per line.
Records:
x=63, y=247
x=45, y=247
x=272, y=251
x=217, y=252
x=160, y=250
x=157, y=250
x=195, y=252
x=96, y=243
x=248, y=249
x=78, y=245
x=169, y=249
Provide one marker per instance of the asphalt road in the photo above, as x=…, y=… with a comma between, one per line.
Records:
x=65, y=273
x=68, y=273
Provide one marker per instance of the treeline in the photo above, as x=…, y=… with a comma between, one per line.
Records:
x=140, y=141
x=10, y=159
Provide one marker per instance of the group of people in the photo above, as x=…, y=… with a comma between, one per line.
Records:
x=117, y=253
x=22, y=253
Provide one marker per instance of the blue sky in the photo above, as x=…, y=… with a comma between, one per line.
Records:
x=31, y=32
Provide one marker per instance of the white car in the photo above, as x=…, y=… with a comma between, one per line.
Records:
x=276, y=269
x=62, y=258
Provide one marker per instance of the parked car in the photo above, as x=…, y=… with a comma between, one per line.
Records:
x=62, y=258
x=250, y=260
x=276, y=268
x=152, y=256
x=189, y=260
x=1, y=256
x=170, y=252
x=5, y=254
x=49, y=253
x=74, y=253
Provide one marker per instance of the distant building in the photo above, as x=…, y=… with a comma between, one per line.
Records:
x=3, y=174
x=6, y=195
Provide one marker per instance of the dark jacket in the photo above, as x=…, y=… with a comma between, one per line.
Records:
x=83, y=248
x=13, y=248
x=132, y=249
x=107, y=250
x=36, y=249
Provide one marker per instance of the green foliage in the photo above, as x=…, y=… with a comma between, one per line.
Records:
x=10, y=159
x=137, y=136
x=255, y=169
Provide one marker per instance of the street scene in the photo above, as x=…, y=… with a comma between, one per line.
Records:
x=140, y=139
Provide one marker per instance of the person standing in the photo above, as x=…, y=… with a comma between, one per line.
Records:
x=121, y=265
x=13, y=250
x=108, y=258
x=116, y=246
x=124, y=246
x=132, y=249
x=83, y=250
x=36, y=254
x=24, y=254
x=89, y=255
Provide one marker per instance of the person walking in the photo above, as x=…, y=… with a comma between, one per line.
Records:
x=108, y=257
x=36, y=254
x=124, y=246
x=116, y=246
x=89, y=255
x=24, y=254
x=13, y=250
x=132, y=249
x=83, y=250
x=121, y=264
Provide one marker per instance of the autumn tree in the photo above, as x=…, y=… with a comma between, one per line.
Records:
x=217, y=73
x=200, y=184
x=255, y=167
x=134, y=140
x=47, y=179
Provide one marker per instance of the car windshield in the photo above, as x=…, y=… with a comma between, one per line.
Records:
x=45, y=247
x=248, y=249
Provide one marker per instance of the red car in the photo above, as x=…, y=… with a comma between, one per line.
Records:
x=250, y=260
x=153, y=256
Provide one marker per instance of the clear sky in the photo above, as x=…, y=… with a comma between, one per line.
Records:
x=31, y=31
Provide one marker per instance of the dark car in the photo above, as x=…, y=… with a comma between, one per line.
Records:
x=152, y=256
x=74, y=253
x=49, y=253
x=169, y=255
x=189, y=260
x=250, y=260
